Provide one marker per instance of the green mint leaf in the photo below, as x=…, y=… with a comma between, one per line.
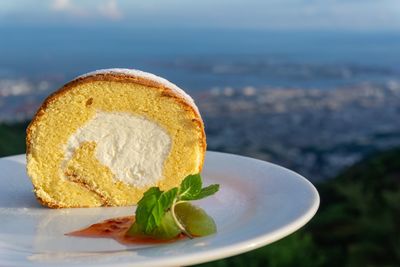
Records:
x=152, y=207
x=167, y=198
x=207, y=191
x=149, y=213
x=190, y=187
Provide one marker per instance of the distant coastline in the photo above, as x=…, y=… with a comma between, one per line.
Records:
x=198, y=59
x=316, y=132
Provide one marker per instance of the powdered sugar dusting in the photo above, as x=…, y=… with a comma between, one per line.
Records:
x=145, y=75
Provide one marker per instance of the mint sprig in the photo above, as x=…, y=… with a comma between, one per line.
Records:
x=191, y=189
x=155, y=203
x=152, y=207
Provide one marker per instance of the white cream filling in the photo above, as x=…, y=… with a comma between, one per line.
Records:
x=133, y=147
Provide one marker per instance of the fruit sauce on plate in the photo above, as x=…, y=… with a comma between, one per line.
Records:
x=116, y=228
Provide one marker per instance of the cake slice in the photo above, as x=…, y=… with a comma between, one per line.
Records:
x=106, y=137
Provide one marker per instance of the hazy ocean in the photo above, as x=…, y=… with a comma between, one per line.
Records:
x=198, y=59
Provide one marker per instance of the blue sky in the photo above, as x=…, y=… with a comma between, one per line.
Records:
x=361, y=15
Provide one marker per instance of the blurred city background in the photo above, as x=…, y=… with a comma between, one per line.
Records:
x=310, y=85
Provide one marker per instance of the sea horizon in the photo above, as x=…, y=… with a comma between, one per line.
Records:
x=200, y=59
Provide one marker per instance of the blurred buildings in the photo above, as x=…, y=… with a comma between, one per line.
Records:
x=315, y=132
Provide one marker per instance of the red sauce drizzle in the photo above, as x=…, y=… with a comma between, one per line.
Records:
x=116, y=228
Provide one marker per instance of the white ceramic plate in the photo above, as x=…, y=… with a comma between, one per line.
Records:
x=258, y=203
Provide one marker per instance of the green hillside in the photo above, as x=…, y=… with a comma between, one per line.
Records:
x=12, y=139
x=358, y=223
x=359, y=220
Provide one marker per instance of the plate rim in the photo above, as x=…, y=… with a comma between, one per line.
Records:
x=225, y=251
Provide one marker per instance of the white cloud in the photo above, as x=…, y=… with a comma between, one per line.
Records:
x=61, y=4
x=110, y=10
x=254, y=14
x=68, y=7
x=107, y=8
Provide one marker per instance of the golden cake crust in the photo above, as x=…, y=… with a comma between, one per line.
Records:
x=166, y=91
